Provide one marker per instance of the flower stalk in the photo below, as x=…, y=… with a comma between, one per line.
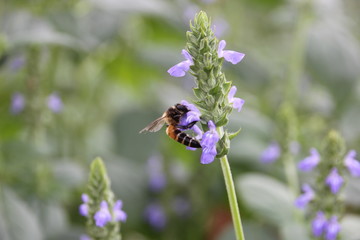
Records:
x=215, y=97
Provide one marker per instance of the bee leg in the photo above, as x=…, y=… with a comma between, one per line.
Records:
x=190, y=125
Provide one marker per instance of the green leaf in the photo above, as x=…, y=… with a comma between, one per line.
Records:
x=20, y=222
x=350, y=227
x=234, y=134
x=267, y=197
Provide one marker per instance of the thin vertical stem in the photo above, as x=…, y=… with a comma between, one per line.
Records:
x=230, y=188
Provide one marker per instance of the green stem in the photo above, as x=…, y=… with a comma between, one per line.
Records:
x=230, y=188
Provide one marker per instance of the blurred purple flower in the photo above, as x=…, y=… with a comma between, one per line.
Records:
x=84, y=207
x=17, y=103
x=119, y=214
x=318, y=224
x=17, y=63
x=54, y=103
x=192, y=116
x=84, y=237
x=352, y=164
x=228, y=55
x=236, y=102
x=155, y=216
x=308, y=163
x=334, y=181
x=157, y=179
x=181, y=68
x=332, y=229
x=220, y=27
x=208, y=144
x=306, y=197
x=103, y=216
x=271, y=153
x=181, y=206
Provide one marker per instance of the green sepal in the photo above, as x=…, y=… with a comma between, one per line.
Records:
x=223, y=121
x=223, y=146
x=234, y=134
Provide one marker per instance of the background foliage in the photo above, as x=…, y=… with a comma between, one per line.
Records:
x=107, y=61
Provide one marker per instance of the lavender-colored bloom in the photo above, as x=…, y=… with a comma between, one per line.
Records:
x=236, y=102
x=334, y=181
x=181, y=68
x=157, y=179
x=84, y=237
x=318, y=224
x=208, y=144
x=119, y=214
x=55, y=103
x=103, y=216
x=304, y=198
x=352, y=164
x=155, y=216
x=271, y=153
x=308, y=163
x=332, y=229
x=228, y=55
x=17, y=103
x=84, y=207
x=17, y=63
x=192, y=116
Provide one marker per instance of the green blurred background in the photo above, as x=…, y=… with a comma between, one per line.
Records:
x=107, y=59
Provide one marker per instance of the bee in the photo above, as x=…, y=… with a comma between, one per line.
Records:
x=171, y=118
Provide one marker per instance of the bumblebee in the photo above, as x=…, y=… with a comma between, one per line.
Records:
x=171, y=118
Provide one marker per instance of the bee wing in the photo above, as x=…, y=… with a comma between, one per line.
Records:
x=155, y=125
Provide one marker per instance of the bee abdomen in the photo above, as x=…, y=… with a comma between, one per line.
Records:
x=182, y=137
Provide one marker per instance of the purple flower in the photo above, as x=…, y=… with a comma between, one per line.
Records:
x=308, y=163
x=17, y=103
x=119, y=214
x=304, y=198
x=181, y=68
x=84, y=237
x=237, y=102
x=334, y=181
x=271, y=153
x=332, y=229
x=208, y=144
x=157, y=179
x=352, y=164
x=192, y=116
x=17, y=63
x=318, y=224
x=155, y=216
x=103, y=216
x=54, y=103
x=228, y=55
x=84, y=207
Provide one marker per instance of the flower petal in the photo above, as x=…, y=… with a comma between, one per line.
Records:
x=208, y=155
x=187, y=56
x=332, y=229
x=222, y=45
x=310, y=162
x=232, y=56
x=318, y=224
x=334, y=181
x=179, y=69
x=238, y=103
x=232, y=93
